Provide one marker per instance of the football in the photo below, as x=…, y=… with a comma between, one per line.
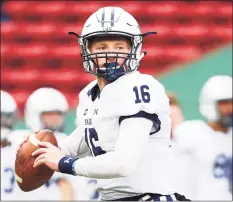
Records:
x=29, y=178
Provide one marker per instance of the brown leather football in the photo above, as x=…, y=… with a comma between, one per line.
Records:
x=28, y=177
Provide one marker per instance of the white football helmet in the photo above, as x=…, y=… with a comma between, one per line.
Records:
x=215, y=89
x=8, y=113
x=44, y=100
x=111, y=21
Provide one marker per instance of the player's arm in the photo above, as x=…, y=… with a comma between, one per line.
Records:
x=74, y=145
x=132, y=141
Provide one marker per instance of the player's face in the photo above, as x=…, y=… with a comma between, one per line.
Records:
x=52, y=119
x=118, y=45
x=225, y=107
x=7, y=120
x=225, y=110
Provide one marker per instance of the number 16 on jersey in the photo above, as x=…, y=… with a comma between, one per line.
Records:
x=91, y=137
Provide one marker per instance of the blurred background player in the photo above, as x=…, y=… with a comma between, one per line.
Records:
x=205, y=148
x=176, y=114
x=9, y=141
x=46, y=109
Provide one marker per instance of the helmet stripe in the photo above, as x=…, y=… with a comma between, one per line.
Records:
x=112, y=16
x=103, y=16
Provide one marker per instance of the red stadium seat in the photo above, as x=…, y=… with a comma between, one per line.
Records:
x=62, y=30
x=21, y=97
x=29, y=51
x=8, y=30
x=15, y=7
x=182, y=53
x=64, y=51
x=20, y=10
x=38, y=31
x=164, y=9
x=196, y=9
x=20, y=77
x=222, y=32
x=153, y=53
x=65, y=77
x=190, y=32
x=224, y=9
x=35, y=31
x=84, y=9
x=72, y=97
x=5, y=50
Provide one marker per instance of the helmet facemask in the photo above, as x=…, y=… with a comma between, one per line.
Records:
x=8, y=119
x=224, y=118
x=111, y=70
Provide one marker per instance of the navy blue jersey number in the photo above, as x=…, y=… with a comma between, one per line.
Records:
x=219, y=168
x=91, y=136
x=222, y=169
x=94, y=194
x=142, y=94
x=10, y=172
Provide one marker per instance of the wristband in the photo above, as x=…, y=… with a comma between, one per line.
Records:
x=65, y=165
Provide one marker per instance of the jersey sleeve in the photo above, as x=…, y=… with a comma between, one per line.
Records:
x=75, y=145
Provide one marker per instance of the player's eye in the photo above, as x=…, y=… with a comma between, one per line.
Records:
x=102, y=48
x=120, y=48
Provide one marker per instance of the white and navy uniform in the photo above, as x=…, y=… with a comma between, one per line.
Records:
x=124, y=133
x=9, y=188
x=203, y=156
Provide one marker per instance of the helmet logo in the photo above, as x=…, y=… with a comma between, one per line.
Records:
x=108, y=29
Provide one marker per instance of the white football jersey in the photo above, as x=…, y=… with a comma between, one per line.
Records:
x=99, y=122
x=202, y=154
x=9, y=188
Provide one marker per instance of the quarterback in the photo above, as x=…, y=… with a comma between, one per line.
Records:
x=122, y=137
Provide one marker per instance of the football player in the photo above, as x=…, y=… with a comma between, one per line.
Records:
x=46, y=109
x=205, y=147
x=123, y=117
x=9, y=139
